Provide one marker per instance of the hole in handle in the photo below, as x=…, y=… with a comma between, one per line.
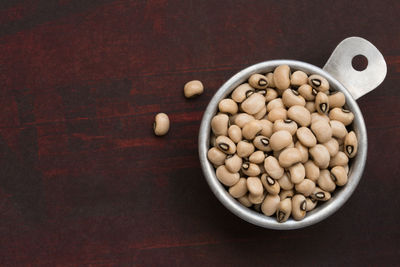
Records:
x=359, y=62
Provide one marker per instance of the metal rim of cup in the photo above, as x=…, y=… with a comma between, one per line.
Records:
x=323, y=210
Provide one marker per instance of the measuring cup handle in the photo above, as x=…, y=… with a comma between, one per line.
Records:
x=339, y=65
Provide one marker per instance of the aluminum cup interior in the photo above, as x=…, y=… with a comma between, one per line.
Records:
x=323, y=209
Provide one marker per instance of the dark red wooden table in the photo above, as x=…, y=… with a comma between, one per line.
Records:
x=83, y=181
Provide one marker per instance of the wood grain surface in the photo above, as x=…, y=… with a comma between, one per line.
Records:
x=83, y=180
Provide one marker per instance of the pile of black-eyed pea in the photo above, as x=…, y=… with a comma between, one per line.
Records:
x=281, y=142
x=161, y=122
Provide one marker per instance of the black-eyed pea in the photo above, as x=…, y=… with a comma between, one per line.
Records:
x=299, y=207
x=322, y=131
x=322, y=103
x=262, y=143
x=320, y=156
x=275, y=103
x=284, y=210
x=225, y=144
x=289, y=157
x=346, y=167
x=272, y=167
x=270, y=79
x=251, y=129
x=235, y=133
x=307, y=92
x=282, y=77
x=300, y=115
x=338, y=129
x=283, y=194
x=242, y=119
x=266, y=128
x=320, y=194
x=336, y=100
x=227, y=105
x=262, y=91
x=216, y=156
x=250, y=169
x=278, y=152
x=270, y=204
x=277, y=114
x=244, y=149
x=306, y=137
x=318, y=82
x=312, y=171
x=257, y=199
x=244, y=200
x=226, y=177
x=270, y=94
x=311, y=203
x=215, y=166
x=343, y=115
x=298, y=78
x=350, y=144
x=193, y=88
x=306, y=187
x=258, y=81
x=333, y=146
x=287, y=125
x=285, y=183
x=280, y=140
x=271, y=185
x=340, y=159
x=325, y=181
x=257, y=157
x=219, y=124
x=259, y=115
x=255, y=186
x=233, y=163
x=303, y=151
x=291, y=97
x=297, y=173
x=253, y=104
x=315, y=116
x=161, y=124
x=242, y=92
x=239, y=189
x=339, y=175
x=310, y=106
